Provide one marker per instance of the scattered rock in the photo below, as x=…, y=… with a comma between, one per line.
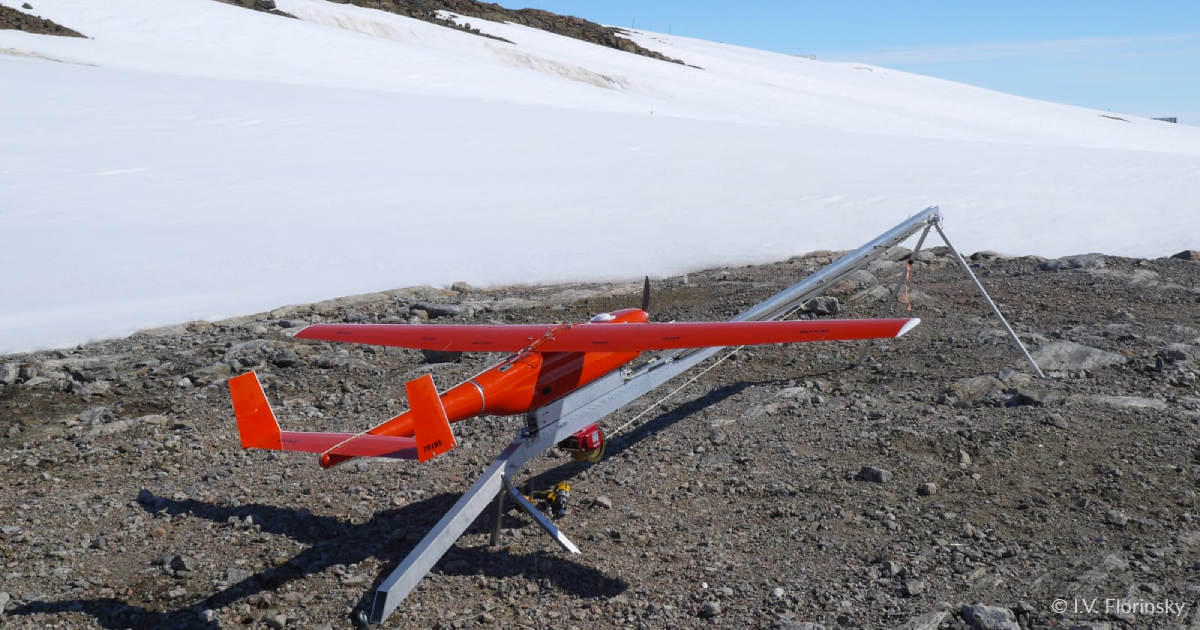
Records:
x=716, y=461
x=1066, y=355
x=1056, y=420
x=970, y=389
x=982, y=617
x=9, y=373
x=711, y=608
x=1081, y=261
x=928, y=621
x=237, y=576
x=854, y=281
x=439, y=356
x=874, y=474
x=822, y=306
x=286, y=358
x=913, y=588
x=182, y=564
x=1132, y=402
x=927, y=489
x=603, y=501
x=462, y=287
x=792, y=624
x=777, y=593
x=1187, y=254
x=1037, y=396
x=440, y=310
x=1116, y=517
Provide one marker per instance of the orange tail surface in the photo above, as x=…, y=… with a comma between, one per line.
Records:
x=258, y=428
x=256, y=422
x=430, y=425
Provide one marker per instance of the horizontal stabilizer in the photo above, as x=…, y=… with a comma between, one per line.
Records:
x=258, y=428
x=607, y=337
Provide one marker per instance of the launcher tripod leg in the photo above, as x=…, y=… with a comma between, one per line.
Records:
x=967, y=268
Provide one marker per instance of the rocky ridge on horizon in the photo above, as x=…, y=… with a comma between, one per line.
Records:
x=16, y=19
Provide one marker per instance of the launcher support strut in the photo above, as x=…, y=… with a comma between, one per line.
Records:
x=967, y=268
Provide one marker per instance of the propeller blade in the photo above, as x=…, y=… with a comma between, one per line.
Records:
x=646, y=295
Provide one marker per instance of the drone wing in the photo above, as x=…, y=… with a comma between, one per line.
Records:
x=443, y=337
x=669, y=336
x=607, y=337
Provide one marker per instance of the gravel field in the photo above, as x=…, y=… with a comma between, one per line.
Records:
x=939, y=485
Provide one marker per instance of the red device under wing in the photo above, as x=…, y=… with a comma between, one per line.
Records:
x=607, y=337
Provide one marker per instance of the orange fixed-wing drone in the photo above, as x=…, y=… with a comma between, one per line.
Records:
x=563, y=378
x=549, y=362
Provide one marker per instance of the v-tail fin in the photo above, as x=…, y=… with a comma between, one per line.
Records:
x=257, y=425
x=258, y=428
x=431, y=428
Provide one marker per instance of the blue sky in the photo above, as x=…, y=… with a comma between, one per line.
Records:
x=1136, y=58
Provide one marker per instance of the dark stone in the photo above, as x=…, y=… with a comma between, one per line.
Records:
x=1188, y=254
x=286, y=359
x=981, y=617
x=874, y=475
x=1036, y=396
x=438, y=356
x=183, y=563
x=824, y=305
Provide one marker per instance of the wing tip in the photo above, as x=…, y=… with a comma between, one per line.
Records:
x=909, y=325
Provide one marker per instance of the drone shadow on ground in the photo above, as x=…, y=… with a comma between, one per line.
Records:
x=331, y=540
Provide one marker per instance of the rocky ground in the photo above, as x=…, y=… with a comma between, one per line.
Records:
x=19, y=19
x=938, y=486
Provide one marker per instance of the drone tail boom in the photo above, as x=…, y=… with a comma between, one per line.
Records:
x=258, y=428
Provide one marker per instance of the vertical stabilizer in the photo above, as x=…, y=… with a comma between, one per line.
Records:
x=430, y=425
x=256, y=422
